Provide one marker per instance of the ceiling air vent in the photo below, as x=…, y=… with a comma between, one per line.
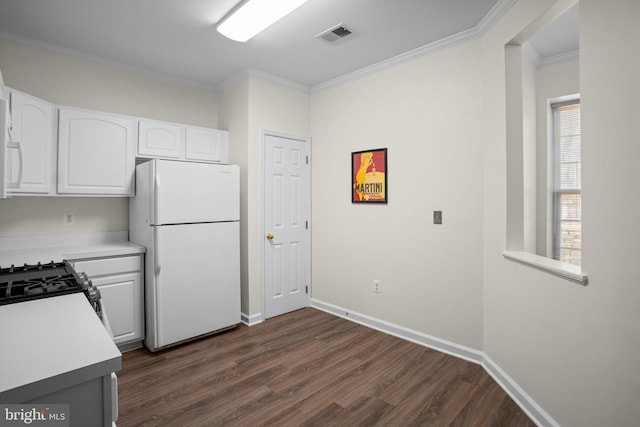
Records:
x=334, y=34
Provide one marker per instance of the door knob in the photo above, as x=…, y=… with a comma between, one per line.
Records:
x=269, y=236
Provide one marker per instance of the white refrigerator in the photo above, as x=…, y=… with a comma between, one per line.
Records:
x=187, y=216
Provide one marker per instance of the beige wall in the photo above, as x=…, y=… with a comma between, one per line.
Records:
x=280, y=109
x=428, y=114
x=73, y=81
x=249, y=106
x=574, y=349
x=234, y=107
x=77, y=82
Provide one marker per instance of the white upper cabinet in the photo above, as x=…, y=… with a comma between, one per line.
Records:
x=166, y=140
x=31, y=165
x=96, y=153
x=206, y=144
x=160, y=139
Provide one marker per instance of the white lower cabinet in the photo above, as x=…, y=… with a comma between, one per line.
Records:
x=120, y=281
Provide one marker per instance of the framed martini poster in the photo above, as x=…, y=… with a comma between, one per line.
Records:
x=369, y=176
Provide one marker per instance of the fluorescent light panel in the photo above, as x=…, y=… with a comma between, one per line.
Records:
x=254, y=16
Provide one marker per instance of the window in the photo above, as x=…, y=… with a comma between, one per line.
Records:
x=566, y=184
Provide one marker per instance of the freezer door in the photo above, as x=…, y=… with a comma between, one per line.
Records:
x=197, y=280
x=187, y=192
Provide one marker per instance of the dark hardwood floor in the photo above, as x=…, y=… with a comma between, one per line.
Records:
x=308, y=368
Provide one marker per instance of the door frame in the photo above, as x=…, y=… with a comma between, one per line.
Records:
x=306, y=139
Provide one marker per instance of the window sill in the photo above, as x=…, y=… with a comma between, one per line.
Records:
x=561, y=269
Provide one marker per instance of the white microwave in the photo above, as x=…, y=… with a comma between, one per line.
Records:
x=6, y=142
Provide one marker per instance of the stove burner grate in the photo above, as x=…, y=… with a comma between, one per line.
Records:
x=23, y=283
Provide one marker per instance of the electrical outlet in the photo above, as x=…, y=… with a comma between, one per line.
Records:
x=68, y=218
x=376, y=286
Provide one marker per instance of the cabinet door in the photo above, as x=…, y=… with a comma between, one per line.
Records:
x=32, y=166
x=120, y=281
x=95, y=153
x=160, y=139
x=206, y=144
x=121, y=296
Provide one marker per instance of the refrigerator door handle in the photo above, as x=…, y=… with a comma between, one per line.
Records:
x=156, y=191
x=156, y=261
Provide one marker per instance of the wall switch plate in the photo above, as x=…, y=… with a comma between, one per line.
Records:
x=437, y=217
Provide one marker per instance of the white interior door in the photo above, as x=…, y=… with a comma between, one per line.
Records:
x=287, y=212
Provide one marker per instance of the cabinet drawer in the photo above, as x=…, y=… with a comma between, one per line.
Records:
x=109, y=266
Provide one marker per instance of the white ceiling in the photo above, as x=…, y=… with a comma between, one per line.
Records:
x=177, y=40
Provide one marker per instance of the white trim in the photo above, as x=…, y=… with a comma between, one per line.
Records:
x=460, y=38
x=540, y=62
x=498, y=10
x=557, y=59
x=559, y=268
x=494, y=15
x=104, y=61
x=519, y=396
x=261, y=75
x=416, y=337
x=524, y=401
x=251, y=320
x=447, y=42
x=302, y=139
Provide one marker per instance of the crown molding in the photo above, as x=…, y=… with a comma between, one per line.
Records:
x=455, y=40
x=541, y=62
x=494, y=15
x=558, y=59
x=498, y=10
x=261, y=75
x=14, y=38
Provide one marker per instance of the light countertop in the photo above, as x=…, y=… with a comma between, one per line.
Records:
x=52, y=343
x=34, y=249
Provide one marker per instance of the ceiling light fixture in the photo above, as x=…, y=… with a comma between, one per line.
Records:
x=252, y=16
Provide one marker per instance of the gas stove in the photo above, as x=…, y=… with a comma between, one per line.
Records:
x=34, y=281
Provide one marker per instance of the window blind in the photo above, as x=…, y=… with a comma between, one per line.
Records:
x=567, y=183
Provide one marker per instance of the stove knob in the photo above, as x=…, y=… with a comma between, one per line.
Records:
x=84, y=279
x=93, y=293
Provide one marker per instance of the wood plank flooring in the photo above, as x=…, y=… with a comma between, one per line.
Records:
x=308, y=368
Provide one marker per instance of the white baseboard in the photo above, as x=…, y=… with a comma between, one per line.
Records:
x=443, y=346
x=524, y=401
x=519, y=396
x=252, y=320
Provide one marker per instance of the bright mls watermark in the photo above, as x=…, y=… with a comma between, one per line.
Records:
x=43, y=415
